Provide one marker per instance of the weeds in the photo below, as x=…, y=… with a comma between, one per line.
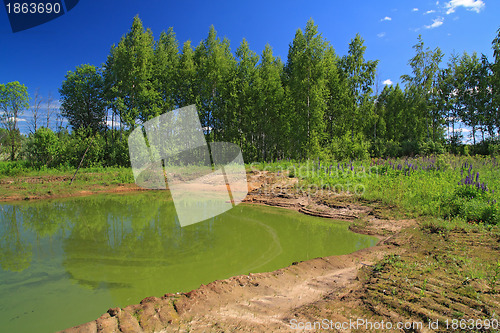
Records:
x=446, y=186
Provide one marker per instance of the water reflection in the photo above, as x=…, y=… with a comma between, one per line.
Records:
x=15, y=252
x=112, y=250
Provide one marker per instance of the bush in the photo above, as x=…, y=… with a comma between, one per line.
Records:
x=431, y=147
x=486, y=147
x=410, y=148
x=43, y=148
x=348, y=147
x=77, y=144
x=473, y=204
x=117, y=151
x=384, y=148
x=15, y=168
x=464, y=150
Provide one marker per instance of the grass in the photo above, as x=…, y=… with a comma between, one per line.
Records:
x=18, y=180
x=445, y=186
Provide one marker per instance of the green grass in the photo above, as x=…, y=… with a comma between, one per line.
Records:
x=23, y=169
x=423, y=186
x=19, y=180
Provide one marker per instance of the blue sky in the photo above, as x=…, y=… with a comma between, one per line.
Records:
x=41, y=56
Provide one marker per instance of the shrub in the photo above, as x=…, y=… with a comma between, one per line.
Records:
x=473, y=201
x=77, y=144
x=349, y=147
x=117, y=152
x=410, y=148
x=13, y=168
x=431, y=147
x=43, y=148
x=385, y=148
x=490, y=146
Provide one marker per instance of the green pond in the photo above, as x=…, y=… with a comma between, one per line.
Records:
x=65, y=262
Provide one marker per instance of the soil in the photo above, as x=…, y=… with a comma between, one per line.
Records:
x=56, y=187
x=417, y=273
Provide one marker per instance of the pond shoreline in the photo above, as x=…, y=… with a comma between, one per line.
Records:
x=263, y=301
x=58, y=187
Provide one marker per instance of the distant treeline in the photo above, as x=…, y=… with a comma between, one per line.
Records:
x=316, y=104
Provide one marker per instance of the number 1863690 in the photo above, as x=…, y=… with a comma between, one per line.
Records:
x=33, y=8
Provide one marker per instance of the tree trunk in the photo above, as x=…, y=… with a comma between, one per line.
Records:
x=81, y=161
x=13, y=149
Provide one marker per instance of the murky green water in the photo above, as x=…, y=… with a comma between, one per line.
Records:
x=65, y=262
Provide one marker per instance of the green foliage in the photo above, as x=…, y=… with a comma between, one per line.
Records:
x=13, y=169
x=423, y=86
x=82, y=101
x=422, y=186
x=116, y=151
x=43, y=148
x=271, y=122
x=358, y=76
x=317, y=104
x=486, y=147
x=14, y=99
x=77, y=144
x=306, y=90
x=349, y=147
x=475, y=210
x=385, y=148
x=431, y=148
x=132, y=90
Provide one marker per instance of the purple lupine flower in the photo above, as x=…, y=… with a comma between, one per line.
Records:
x=477, y=176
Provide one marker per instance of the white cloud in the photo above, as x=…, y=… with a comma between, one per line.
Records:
x=429, y=12
x=414, y=9
x=380, y=35
x=387, y=82
x=437, y=22
x=17, y=119
x=472, y=5
x=387, y=18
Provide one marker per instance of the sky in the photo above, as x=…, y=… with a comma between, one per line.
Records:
x=41, y=56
